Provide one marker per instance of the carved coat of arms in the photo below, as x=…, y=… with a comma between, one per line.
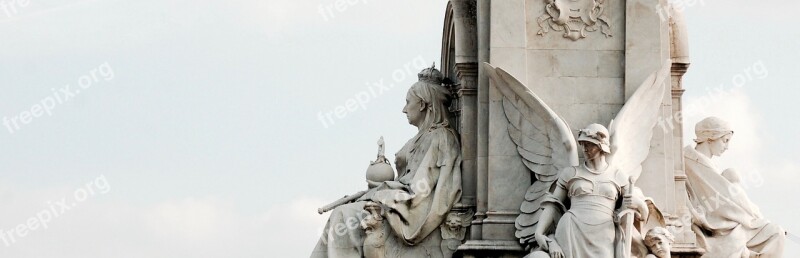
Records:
x=574, y=18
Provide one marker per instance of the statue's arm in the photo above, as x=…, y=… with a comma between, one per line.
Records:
x=635, y=201
x=550, y=210
x=640, y=204
x=549, y=214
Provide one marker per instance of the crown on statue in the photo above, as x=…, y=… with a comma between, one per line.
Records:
x=431, y=75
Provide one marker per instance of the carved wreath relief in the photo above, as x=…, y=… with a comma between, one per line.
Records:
x=574, y=18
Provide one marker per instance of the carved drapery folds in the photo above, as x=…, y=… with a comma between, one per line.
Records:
x=375, y=231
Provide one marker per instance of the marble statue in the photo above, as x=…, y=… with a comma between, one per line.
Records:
x=571, y=210
x=724, y=218
x=402, y=217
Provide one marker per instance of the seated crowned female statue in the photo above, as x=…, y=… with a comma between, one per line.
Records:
x=415, y=203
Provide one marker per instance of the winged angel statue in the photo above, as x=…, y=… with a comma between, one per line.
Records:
x=575, y=210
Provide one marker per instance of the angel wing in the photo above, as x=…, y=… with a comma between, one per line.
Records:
x=543, y=139
x=632, y=129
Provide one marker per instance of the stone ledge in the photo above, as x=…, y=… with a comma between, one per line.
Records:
x=491, y=245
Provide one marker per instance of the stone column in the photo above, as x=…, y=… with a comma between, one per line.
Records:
x=483, y=118
x=685, y=240
x=466, y=69
x=476, y=246
x=492, y=236
x=647, y=48
x=506, y=177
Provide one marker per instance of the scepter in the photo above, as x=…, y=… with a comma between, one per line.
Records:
x=379, y=171
x=344, y=200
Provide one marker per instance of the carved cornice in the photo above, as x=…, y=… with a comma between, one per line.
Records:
x=467, y=70
x=679, y=69
x=501, y=217
x=462, y=207
x=467, y=92
x=677, y=93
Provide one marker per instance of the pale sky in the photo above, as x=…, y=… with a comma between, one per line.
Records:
x=197, y=132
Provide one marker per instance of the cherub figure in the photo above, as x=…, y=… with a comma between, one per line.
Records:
x=659, y=241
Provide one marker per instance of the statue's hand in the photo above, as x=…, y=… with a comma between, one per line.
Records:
x=543, y=241
x=555, y=251
x=628, y=203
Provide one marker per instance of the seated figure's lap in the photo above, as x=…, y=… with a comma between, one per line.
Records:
x=344, y=232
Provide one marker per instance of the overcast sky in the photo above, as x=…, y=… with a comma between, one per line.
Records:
x=199, y=128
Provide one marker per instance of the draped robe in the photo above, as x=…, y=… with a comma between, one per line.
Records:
x=417, y=202
x=732, y=224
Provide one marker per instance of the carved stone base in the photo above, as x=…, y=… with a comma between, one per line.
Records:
x=695, y=252
x=490, y=249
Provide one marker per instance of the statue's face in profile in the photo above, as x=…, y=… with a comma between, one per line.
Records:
x=720, y=145
x=414, y=109
x=660, y=246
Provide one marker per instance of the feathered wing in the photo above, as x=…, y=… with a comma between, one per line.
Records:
x=543, y=139
x=632, y=129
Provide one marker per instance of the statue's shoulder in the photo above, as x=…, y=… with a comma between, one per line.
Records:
x=696, y=160
x=689, y=151
x=566, y=174
x=442, y=129
x=444, y=133
x=621, y=178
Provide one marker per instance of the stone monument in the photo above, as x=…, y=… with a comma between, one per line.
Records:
x=495, y=169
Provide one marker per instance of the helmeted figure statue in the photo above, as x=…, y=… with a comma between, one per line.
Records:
x=575, y=210
x=724, y=218
x=405, y=214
